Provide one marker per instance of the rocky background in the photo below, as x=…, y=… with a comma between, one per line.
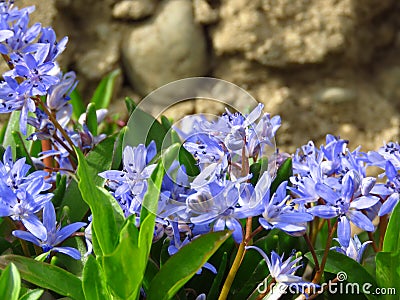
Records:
x=326, y=66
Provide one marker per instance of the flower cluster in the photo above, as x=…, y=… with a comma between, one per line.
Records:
x=31, y=53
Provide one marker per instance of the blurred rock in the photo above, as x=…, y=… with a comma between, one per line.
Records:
x=133, y=9
x=167, y=47
x=284, y=32
x=203, y=12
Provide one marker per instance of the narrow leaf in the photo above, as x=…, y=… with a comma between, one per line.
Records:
x=78, y=107
x=104, y=91
x=184, y=264
x=283, y=174
x=32, y=295
x=216, y=285
x=91, y=118
x=388, y=273
x=10, y=283
x=93, y=280
x=392, y=236
x=102, y=205
x=46, y=276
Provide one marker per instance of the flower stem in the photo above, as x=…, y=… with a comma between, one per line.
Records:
x=383, y=223
x=371, y=238
x=320, y=270
x=312, y=250
x=232, y=272
x=238, y=260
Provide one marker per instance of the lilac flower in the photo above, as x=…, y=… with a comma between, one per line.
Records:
x=56, y=48
x=39, y=75
x=346, y=205
x=132, y=181
x=22, y=204
x=58, y=95
x=282, y=271
x=22, y=37
x=217, y=203
x=390, y=190
x=355, y=249
x=54, y=234
x=278, y=213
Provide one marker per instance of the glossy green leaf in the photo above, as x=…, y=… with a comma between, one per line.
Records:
x=118, y=150
x=217, y=283
x=151, y=271
x=130, y=105
x=21, y=147
x=391, y=242
x=32, y=295
x=10, y=283
x=118, y=265
x=94, y=286
x=283, y=174
x=184, y=264
x=91, y=118
x=46, y=276
x=78, y=106
x=13, y=126
x=104, y=91
x=98, y=160
x=258, y=168
x=61, y=186
x=187, y=159
x=144, y=128
x=255, y=278
x=388, y=273
x=338, y=262
x=124, y=274
x=106, y=217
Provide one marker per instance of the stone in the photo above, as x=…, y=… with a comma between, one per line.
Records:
x=167, y=47
x=282, y=33
x=133, y=9
x=203, y=13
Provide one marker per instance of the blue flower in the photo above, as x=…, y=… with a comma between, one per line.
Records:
x=281, y=270
x=39, y=74
x=54, y=234
x=22, y=204
x=132, y=180
x=354, y=250
x=216, y=203
x=280, y=212
x=346, y=205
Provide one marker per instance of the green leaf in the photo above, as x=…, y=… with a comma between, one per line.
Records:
x=144, y=128
x=94, y=286
x=124, y=274
x=104, y=91
x=118, y=265
x=391, y=242
x=13, y=126
x=91, y=118
x=338, y=262
x=184, y=264
x=187, y=159
x=151, y=271
x=283, y=174
x=46, y=276
x=130, y=105
x=10, y=283
x=216, y=285
x=98, y=160
x=61, y=186
x=106, y=217
x=32, y=295
x=258, y=168
x=78, y=107
x=388, y=272
x=117, y=152
x=21, y=147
